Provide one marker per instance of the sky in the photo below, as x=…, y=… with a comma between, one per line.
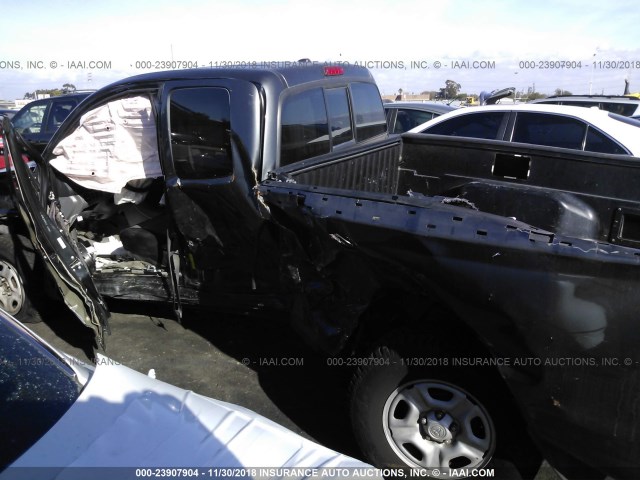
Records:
x=581, y=46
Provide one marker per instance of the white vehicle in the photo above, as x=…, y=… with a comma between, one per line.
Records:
x=576, y=128
x=64, y=419
x=627, y=105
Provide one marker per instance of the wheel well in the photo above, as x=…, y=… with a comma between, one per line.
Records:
x=395, y=315
x=391, y=310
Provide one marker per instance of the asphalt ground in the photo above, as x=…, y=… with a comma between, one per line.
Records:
x=256, y=362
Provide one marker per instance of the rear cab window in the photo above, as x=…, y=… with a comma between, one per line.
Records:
x=304, y=130
x=339, y=115
x=318, y=120
x=369, y=113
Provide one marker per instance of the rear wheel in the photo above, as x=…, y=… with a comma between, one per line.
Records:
x=432, y=424
x=410, y=408
x=17, y=290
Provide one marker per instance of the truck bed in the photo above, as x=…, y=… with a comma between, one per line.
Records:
x=533, y=248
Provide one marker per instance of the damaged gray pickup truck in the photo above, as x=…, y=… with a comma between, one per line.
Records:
x=486, y=291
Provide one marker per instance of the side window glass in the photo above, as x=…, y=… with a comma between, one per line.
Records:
x=59, y=111
x=620, y=108
x=407, y=119
x=418, y=117
x=582, y=104
x=403, y=122
x=200, y=126
x=31, y=119
x=339, y=118
x=304, y=130
x=549, y=130
x=474, y=125
x=368, y=111
x=598, y=142
x=388, y=112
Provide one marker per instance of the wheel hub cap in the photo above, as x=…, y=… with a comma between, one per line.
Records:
x=11, y=290
x=436, y=426
x=433, y=424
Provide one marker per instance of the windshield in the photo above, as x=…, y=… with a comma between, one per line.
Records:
x=36, y=389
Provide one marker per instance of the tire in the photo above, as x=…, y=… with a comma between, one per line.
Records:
x=410, y=409
x=19, y=282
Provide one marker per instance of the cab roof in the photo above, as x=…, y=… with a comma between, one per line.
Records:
x=287, y=75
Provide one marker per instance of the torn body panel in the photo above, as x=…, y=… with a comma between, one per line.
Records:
x=567, y=303
x=66, y=265
x=113, y=203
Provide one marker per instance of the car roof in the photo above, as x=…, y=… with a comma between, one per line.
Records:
x=288, y=75
x=623, y=129
x=426, y=106
x=608, y=98
x=630, y=104
x=580, y=112
x=56, y=97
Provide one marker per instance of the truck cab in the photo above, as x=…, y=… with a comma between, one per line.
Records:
x=147, y=190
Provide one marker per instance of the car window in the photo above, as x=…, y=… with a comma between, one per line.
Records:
x=304, y=127
x=200, y=125
x=579, y=104
x=369, y=114
x=620, y=108
x=474, y=125
x=316, y=120
x=550, y=130
x=36, y=389
x=599, y=142
x=30, y=120
x=59, y=110
x=388, y=112
x=339, y=117
x=408, y=119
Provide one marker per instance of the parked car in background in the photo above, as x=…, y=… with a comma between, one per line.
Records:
x=626, y=105
x=576, y=128
x=403, y=116
x=60, y=415
x=37, y=121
